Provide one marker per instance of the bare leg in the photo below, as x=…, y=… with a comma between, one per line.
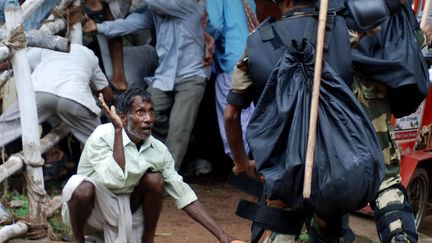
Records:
x=80, y=209
x=115, y=45
x=94, y=5
x=149, y=194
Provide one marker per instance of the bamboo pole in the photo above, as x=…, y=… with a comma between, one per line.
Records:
x=29, y=6
x=425, y=14
x=4, y=77
x=37, y=38
x=53, y=137
x=54, y=24
x=310, y=149
x=15, y=163
x=12, y=231
x=38, y=199
x=10, y=167
x=4, y=53
x=20, y=228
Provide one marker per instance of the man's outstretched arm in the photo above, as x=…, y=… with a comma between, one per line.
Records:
x=198, y=213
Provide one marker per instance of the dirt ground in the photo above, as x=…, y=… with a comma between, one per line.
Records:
x=221, y=201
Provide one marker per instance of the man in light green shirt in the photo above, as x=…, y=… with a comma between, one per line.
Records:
x=121, y=177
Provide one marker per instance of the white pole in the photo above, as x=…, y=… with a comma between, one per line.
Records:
x=10, y=167
x=4, y=53
x=37, y=38
x=15, y=163
x=38, y=199
x=12, y=231
x=29, y=6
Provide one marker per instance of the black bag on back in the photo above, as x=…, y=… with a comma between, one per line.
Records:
x=393, y=57
x=348, y=166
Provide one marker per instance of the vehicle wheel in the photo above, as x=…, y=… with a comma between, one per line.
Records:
x=418, y=193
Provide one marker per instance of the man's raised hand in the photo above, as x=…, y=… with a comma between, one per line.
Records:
x=111, y=113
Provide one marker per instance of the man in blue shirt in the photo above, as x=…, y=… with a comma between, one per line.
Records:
x=179, y=82
x=228, y=25
x=35, y=20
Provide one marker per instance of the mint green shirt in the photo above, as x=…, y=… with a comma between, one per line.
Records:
x=97, y=162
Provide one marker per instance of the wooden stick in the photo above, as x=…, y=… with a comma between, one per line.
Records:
x=38, y=38
x=310, y=150
x=425, y=13
x=15, y=163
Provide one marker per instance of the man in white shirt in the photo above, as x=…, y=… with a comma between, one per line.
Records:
x=62, y=83
x=121, y=177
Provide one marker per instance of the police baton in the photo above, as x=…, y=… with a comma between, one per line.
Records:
x=310, y=149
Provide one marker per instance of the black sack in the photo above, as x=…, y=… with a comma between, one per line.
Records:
x=393, y=57
x=348, y=166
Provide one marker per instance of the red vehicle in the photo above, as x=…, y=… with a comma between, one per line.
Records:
x=414, y=139
x=413, y=135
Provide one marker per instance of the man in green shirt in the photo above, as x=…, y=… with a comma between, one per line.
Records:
x=121, y=177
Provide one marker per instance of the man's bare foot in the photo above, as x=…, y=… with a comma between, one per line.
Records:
x=94, y=5
x=120, y=84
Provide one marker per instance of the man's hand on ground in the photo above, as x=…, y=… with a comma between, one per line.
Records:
x=230, y=239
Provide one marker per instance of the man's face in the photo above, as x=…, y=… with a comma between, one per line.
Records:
x=140, y=120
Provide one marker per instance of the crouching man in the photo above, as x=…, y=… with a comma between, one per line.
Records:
x=121, y=177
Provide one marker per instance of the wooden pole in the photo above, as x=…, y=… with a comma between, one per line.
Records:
x=10, y=167
x=29, y=6
x=4, y=53
x=38, y=199
x=13, y=231
x=54, y=24
x=425, y=13
x=4, y=77
x=310, y=149
x=37, y=38
x=53, y=27
x=15, y=163
x=20, y=228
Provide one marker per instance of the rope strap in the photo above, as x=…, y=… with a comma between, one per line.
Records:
x=31, y=163
x=17, y=39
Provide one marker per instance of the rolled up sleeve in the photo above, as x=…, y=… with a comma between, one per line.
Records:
x=132, y=23
x=175, y=8
x=97, y=161
x=181, y=192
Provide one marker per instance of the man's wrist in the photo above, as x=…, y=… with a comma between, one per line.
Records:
x=97, y=27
